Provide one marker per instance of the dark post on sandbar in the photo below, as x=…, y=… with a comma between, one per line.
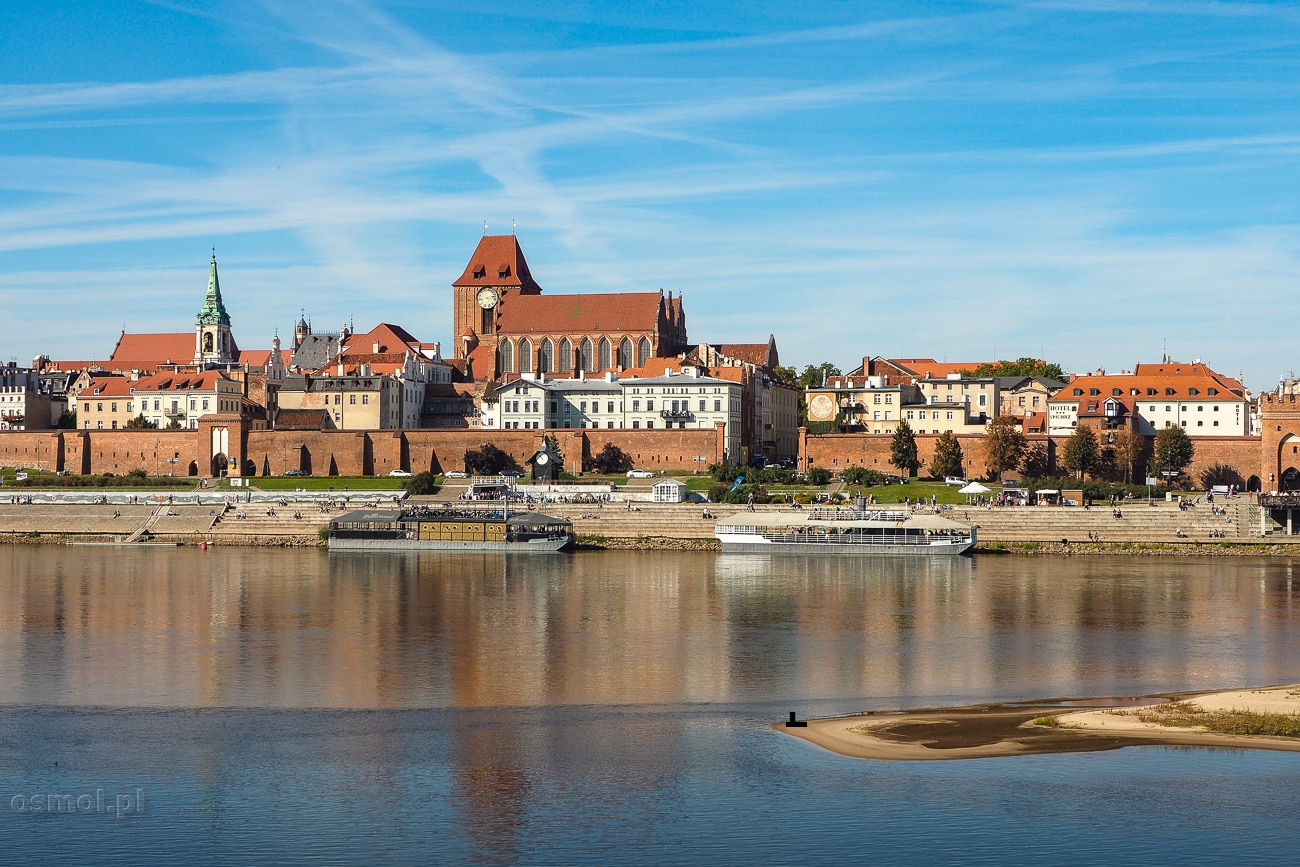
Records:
x=794, y=723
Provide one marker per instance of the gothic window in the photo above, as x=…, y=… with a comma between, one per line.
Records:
x=588, y=360
x=507, y=356
x=606, y=349
x=207, y=341
x=643, y=353
x=525, y=356
x=625, y=354
x=487, y=318
x=546, y=359
x=566, y=356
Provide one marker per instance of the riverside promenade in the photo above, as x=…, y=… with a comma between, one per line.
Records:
x=298, y=519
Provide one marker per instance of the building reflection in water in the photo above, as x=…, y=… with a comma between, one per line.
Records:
x=302, y=628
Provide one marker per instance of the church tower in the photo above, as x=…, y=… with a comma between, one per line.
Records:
x=212, y=342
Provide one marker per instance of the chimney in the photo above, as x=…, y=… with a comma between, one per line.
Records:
x=374, y=347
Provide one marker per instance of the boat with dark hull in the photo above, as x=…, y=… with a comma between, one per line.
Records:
x=451, y=528
x=844, y=531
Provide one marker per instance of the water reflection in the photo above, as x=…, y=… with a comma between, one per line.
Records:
x=288, y=628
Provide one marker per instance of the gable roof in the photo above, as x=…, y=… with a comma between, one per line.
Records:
x=576, y=314
x=147, y=351
x=1169, y=381
x=498, y=261
x=391, y=338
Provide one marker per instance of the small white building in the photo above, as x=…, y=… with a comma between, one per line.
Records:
x=669, y=491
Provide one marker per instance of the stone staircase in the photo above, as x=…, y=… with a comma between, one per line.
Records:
x=1139, y=522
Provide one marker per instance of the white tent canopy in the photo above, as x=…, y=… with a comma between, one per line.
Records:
x=975, y=488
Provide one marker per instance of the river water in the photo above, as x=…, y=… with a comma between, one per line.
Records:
x=250, y=705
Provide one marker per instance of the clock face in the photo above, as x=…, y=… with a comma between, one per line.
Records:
x=487, y=298
x=542, y=459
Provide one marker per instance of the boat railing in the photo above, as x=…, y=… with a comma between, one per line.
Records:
x=852, y=514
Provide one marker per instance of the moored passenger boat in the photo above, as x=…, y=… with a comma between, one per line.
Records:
x=450, y=528
x=844, y=531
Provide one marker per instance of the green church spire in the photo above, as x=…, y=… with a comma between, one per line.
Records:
x=213, y=311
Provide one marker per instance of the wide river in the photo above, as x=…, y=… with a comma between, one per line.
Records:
x=290, y=706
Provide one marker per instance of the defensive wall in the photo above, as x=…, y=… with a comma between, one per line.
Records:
x=224, y=444
x=838, y=451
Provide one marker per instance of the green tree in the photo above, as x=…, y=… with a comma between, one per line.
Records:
x=488, y=460
x=1082, y=455
x=902, y=449
x=552, y=444
x=175, y=425
x=819, y=476
x=1020, y=367
x=421, y=483
x=1036, y=463
x=68, y=421
x=864, y=476
x=141, y=423
x=1004, y=444
x=1174, y=450
x=947, y=460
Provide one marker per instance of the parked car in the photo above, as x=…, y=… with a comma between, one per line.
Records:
x=514, y=474
x=455, y=474
x=956, y=481
x=294, y=473
x=640, y=474
x=895, y=480
x=399, y=473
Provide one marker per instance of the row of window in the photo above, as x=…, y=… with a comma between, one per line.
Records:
x=1150, y=392
x=586, y=356
x=222, y=405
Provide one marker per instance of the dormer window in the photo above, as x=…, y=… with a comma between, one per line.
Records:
x=1093, y=392
x=1170, y=392
x=503, y=271
x=1078, y=392
x=1211, y=391
x=1151, y=392
x=1116, y=392
x=1193, y=391
x=480, y=272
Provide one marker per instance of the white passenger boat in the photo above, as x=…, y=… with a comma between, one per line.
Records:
x=844, y=531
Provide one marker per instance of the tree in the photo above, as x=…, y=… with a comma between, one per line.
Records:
x=1082, y=454
x=488, y=460
x=611, y=459
x=813, y=375
x=141, y=423
x=552, y=444
x=1004, y=443
x=68, y=421
x=819, y=476
x=175, y=425
x=902, y=449
x=1020, y=367
x=1036, y=463
x=1127, y=447
x=864, y=476
x=421, y=483
x=1174, y=450
x=947, y=460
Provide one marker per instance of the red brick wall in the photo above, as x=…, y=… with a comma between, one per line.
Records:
x=837, y=451
x=120, y=451
x=37, y=450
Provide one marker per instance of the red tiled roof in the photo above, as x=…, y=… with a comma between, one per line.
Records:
x=255, y=357
x=931, y=369
x=498, y=261
x=754, y=353
x=392, y=338
x=1161, y=377
x=580, y=314
x=147, y=351
x=301, y=419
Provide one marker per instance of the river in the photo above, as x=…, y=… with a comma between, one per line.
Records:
x=248, y=705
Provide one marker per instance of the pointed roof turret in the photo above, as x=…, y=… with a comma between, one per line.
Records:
x=213, y=311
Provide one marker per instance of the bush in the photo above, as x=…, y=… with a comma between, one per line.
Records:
x=863, y=476
x=819, y=476
x=421, y=483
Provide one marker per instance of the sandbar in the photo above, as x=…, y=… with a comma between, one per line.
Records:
x=1083, y=725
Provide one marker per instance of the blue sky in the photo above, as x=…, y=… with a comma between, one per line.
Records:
x=1086, y=181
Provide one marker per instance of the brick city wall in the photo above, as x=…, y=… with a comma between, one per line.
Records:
x=1280, y=449
x=343, y=453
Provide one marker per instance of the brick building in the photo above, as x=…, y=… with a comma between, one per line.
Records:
x=505, y=325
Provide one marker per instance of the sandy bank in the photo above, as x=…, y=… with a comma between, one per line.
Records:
x=985, y=731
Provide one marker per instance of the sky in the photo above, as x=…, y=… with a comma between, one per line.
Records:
x=1093, y=182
